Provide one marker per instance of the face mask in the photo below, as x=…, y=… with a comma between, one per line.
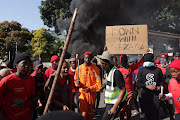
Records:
x=148, y=64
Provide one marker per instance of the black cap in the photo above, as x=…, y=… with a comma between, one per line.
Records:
x=37, y=63
x=21, y=56
x=149, y=57
x=176, y=53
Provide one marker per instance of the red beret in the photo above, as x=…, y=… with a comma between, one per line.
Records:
x=157, y=61
x=89, y=53
x=123, y=56
x=54, y=57
x=164, y=54
x=175, y=64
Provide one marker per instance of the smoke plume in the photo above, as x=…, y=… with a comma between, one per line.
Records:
x=94, y=15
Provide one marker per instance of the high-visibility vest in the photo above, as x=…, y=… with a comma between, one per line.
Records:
x=112, y=93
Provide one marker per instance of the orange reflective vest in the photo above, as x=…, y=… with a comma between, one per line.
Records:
x=89, y=77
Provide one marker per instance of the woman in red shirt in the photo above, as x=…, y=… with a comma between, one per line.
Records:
x=62, y=97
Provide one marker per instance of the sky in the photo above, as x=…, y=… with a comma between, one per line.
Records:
x=26, y=12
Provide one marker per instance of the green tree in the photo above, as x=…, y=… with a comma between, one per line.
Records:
x=41, y=43
x=13, y=37
x=58, y=44
x=166, y=18
x=51, y=10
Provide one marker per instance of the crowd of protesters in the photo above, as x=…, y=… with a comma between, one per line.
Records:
x=148, y=86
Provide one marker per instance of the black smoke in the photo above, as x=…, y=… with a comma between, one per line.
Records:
x=94, y=15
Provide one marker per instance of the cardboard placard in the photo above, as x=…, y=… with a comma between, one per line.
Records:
x=127, y=39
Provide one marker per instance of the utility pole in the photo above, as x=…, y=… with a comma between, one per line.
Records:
x=16, y=48
x=39, y=50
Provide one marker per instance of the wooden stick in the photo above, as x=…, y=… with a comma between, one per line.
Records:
x=61, y=61
x=78, y=81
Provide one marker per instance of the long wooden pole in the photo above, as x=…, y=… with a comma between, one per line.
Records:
x=61, y=61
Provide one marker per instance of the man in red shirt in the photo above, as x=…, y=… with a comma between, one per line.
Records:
x=54, y=60
x=75, y=91
x=40, y=80
x=127, y=70
x=174, y=87
x=17, y=90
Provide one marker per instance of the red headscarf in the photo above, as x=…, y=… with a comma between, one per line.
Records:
x=164, y=54
x=175, y=64
x=157, y=61
x=54, y=57
x=123, y=56
x=89, y=53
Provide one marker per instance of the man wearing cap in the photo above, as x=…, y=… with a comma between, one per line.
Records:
x=17, y=90
x=150, y=79
x=40, y=80
x=54, y=61
x=115, y=93
x=88, y=80
x=132, y=61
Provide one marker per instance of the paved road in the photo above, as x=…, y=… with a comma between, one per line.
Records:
x=101, y=109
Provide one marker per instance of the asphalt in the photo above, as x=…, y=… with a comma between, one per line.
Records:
x=98, y=113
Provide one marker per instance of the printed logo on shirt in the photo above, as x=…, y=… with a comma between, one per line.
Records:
x=179, y=98
x=18, y=102
x=18, y=89
x=150, y=79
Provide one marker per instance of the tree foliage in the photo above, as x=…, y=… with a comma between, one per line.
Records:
x=51, y=10
x=41, y=42
x=166, y=18
x=12, y=35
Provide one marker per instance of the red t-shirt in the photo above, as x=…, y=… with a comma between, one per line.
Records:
x=74, y=88
x=162, y=68
x=174, y=88
x=49, y=71
x=127, y=74
x=15, y=96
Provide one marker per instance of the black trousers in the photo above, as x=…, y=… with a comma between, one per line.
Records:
x=135, y=102
x=97, y=99
x=177, y=116
x=151, y=105
x=106, y=116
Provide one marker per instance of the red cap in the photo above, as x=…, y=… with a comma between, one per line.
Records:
x=89, y=53
x=54, y=57
x=164, y=54
x=175, y=64
x=157, y=61
x=123, y=56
